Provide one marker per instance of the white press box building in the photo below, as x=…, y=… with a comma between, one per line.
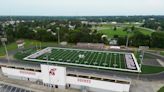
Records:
x=56, y=76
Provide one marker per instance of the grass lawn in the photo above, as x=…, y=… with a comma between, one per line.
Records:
x=108, y=30
x=28, y=43
x=151, y=69
x=162, y=53
x=10, y=47
x=144, y=31
x=13, y=46
x=161, y=89
x=148, y=69
x=21, y=54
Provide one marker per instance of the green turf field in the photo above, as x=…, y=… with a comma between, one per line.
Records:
x=91, y=58
x=162, y=53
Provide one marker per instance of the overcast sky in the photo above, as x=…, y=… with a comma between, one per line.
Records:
x=81, y=7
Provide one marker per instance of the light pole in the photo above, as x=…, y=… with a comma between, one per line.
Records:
x=140, y=65
x=3, y=40
x=127, y=39
x=141, y=57
x=58, y=35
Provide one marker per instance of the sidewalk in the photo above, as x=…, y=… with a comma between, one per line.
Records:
x=31, y=85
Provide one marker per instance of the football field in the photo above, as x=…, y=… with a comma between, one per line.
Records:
x=86, y=58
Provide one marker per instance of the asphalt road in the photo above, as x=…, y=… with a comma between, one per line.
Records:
x=7, y=88
x=151, y=59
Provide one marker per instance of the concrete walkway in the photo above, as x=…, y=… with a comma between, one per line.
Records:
x=160, y=62
x=146, y=86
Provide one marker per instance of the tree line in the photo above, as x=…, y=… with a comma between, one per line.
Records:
x=156, y=39
x=47, y=31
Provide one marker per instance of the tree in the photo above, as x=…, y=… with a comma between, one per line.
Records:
x=133, y=28
x=121, y=40
x=1, y=30
x=115, y=36
x=139, y=39
x=95, y=31
x=115, y=28
x=105, y=40
x=157, y=39
x=125, y=29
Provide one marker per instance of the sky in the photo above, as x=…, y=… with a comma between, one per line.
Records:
x=81, y=7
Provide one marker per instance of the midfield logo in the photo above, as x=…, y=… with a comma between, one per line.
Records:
x=52, y=71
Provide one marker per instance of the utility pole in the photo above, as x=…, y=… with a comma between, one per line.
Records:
x=127, y=39
x=3, y=40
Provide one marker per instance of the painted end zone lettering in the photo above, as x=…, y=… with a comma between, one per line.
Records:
x=27, y=72
x=84, y=80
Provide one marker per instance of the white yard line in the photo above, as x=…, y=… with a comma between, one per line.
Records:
x=92, y=59
x=89, y=56
x=81, y=58
x=63, y=56
x=54, y=54
x=101, y=58
x=84, y=57
x=120, y=60
x=114, y=60
x=72, y=58
x=59, y=54
x=97, y=57
x=106, y=55
x=110, y=59
x=71, y=53
x=125, y=62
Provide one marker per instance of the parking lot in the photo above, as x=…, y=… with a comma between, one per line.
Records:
x=7, y=88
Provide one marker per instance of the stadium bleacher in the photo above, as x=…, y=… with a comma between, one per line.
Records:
x=35, y=55
x=130, y=62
